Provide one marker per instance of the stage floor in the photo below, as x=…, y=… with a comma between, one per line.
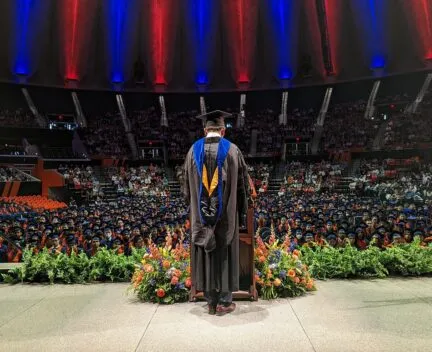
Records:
x=368, y=315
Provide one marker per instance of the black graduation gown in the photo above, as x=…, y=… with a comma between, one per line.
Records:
x=217, y=269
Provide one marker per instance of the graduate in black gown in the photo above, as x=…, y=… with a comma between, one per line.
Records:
x=215, y=184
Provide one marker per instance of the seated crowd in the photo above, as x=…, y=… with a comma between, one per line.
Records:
x=120, y=226
x=260, y=176
x=17, y=118
x=310, y=177
x=145, y=209
x=9, y=174
x=142, y=181
x=412, y=182
x=345, y=127
x=328, y=219
x=105, y=136
x=408, y=131
x=80, y=178
x=300, y=124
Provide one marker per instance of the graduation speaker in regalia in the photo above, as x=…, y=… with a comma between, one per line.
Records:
x=215, y=184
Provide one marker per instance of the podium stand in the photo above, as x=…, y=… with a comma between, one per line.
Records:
x=247, y=268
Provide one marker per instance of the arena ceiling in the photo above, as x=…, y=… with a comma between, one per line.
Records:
x=220, y=44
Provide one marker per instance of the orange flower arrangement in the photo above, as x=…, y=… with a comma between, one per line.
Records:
x=174, y=280
x=138, y=277
x=164, y=273
x=148, y=268
x=269, y=274
x=291, y=273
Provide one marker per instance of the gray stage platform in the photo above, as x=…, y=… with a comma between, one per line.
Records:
x=379, y=315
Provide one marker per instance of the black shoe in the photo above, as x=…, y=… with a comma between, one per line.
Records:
x=225, y=309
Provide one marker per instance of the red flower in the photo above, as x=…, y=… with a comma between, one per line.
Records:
x=262, y=259
x=174, y=280
x=297, y=280
x=160, y=292
x=188, y=282
x=291, y=273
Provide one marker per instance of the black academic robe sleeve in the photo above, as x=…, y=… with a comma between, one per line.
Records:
x=243, y=189
x=184, y=179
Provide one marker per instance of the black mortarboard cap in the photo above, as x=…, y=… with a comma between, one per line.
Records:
x=214, y=119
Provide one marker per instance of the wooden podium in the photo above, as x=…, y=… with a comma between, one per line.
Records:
x=247, y=268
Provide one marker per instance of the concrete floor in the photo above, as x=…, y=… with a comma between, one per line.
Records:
x=376, y=315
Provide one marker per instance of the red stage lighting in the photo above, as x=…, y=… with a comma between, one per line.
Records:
x=241, y=18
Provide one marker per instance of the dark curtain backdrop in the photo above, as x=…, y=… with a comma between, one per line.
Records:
x=350, y=55
x=407, y=49
x=5, y=39
x=310, y=39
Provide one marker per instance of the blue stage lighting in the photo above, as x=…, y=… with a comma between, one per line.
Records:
x=22, y=63
x=284, y=25
x=378, y=61
x=202, y=78
x=202, y=21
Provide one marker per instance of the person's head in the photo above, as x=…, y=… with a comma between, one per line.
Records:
x=96, y=242
x=117, y=243
x=309, y=237
x=219, y=130
x=55, y=241
x=136, y=231
x=331, y=240
x=352, y=238
x=139, y=242
x=108, y=233
x=341, y=233
x=407, y=235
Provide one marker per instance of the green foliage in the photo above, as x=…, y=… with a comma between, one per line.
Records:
x=348, y=262
x=162, y=275
x=46, y=267
x=411, y=259
x=107, y=265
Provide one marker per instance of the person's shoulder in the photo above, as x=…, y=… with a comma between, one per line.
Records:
x=234, y=148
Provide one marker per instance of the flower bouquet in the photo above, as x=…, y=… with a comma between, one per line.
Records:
x=278, y=272
x=163, y=276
